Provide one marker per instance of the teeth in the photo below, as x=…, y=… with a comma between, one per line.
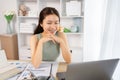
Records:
x=52, y=30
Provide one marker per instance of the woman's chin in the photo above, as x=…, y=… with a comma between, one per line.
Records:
x=53, y=32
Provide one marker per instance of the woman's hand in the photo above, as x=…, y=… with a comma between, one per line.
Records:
x=53, y=37
x=56, y=38
x=46, y=38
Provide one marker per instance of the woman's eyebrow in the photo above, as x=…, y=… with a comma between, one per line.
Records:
x=53, y=21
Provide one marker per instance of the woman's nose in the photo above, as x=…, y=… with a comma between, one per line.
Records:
x=53, y=26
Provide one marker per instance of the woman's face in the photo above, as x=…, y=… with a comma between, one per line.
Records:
x=50, y=24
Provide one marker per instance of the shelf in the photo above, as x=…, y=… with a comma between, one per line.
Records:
x=29, y=17
x=49, y=3
x=25, y=33
x=75, y=33
x=27, y=0
x=60, y=17
x=75, y=39
x=72, y=17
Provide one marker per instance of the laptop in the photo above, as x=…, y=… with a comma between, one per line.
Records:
x=7, y=70
x=95, y=70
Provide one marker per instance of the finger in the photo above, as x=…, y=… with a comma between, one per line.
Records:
x=48, y=36
x=55, y=32
x=52, y=36
x=51, y=40
x=47, y=31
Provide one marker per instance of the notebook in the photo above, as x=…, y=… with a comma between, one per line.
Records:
x=95, y=70
x=7, y=70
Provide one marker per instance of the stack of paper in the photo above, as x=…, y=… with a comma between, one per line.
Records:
x=20, y=65
x=27, y=27
x=44, y=70
x=7, y=70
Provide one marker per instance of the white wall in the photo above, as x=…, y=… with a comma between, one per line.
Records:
x=6, y=5
x=111, y=40
x=116, y=42
x=94, y=31
x=94, y=15
x=116, y=48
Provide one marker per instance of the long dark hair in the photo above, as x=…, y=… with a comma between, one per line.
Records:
x=45, y=12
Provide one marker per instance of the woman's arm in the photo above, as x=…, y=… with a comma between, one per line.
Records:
x=36, y=50
x=64, y=47
x=62, y=40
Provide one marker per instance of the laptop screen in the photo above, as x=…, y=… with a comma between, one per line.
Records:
x=95, y=70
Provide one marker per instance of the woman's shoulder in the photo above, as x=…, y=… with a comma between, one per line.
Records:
x=33, y=37
x=36, y=36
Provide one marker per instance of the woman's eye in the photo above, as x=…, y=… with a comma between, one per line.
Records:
x=52, y=23
x=56, y=23
x=48, y=23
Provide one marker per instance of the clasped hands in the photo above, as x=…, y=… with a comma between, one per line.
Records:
x=51, y=37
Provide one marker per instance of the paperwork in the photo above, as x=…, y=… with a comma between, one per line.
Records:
x=44, y=70
x=20, y=65
x=7, y=70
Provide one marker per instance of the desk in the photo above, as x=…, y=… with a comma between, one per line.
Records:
x=61, y=68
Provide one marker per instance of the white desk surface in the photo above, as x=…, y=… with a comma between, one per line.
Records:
x=23, y=63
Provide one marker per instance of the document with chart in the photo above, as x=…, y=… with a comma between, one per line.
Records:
x=44, y=70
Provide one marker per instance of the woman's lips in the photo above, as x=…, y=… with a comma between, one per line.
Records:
x=52, y=31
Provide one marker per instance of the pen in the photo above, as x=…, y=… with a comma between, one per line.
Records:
x=32, y=75
x=50, y=72
x=38, y=70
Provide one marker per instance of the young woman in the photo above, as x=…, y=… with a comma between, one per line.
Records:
x=48, y=40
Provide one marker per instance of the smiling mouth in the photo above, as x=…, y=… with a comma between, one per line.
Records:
x=52, y=31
